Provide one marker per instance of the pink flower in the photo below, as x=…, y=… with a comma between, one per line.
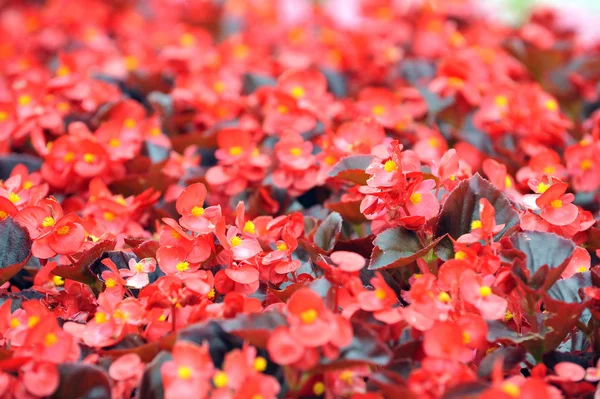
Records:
x=477, y=291
x=137, y=274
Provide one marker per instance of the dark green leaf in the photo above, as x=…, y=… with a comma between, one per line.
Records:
x=397, y=247
x=352, y=168
x=82, y=381
x=328, y=232
x=15, y=248
x=462, y=208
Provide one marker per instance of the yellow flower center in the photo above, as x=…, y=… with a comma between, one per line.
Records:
x=175, y=235
x=501, y=101
x=14, y=197
x=511, y=389
x=415, y=198
x=48, y=221
x=24, y=100
x=417, y=275
x=455, y=82
x=309, y=316
x=582, y=269
x=211, y=294
x=249, y=227
x=551, y=105
x=378, y=110
x=282, y=246
x=114, y=143
x=466, y=337
x=240, y=51
x=32, y=321
x=184, y=372
x=28, y=184
x=109, y=216
x=236, y=150
x=390, y=166
x=586, y=164
x=508, y=315
x=296, y=151
x=131, y=62
x=330, y=160
x=58, y=281
x=88, y=157
x=63, y=231
x=14, y=322
x=556, y=204
x=476, y=224
x=139, y=267
x=3, y=116
x=235, y=241
x=219, y=86
x=444, y=297
x=197, y=211
x=260, y=364
x=297, y=92
x=460, y=255
x=110, y=283
x=380, y=293
x=68, y=157
x=50, y=339
x=129, y=123
x=63, y=71
x=182, y=266
x=187, y=40
x=100, y=317
x=220, y=379
x=485, y=291
x=3, y=215
x=507, y=182
x=346, y=376
x=542, y=187
x=549, y=170
x=155, y=131
x=319, y=388
x=282, y=109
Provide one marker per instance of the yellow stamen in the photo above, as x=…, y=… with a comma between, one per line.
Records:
x=110, y=283
x=100, y=317
x=50, y=339
x=182, y=266
x=48, y=221
x=296, y=151
x=88, y=157
x=501, y=101
x=58, y=281
x=542, y=187
x=319, y=388
x=390, y=166
x=582, y=269
x=197, y=211
x=309, y=316
x=129, y=123
x=184, y=372
x=551, y=105
x=114, y=143
x=109, y=216
x=249, y=227
x=260, y=364
x=69, y=156
x=466, y=337
x=476, y=224
x=415, y=198
x=282, y=246
x=444, y=297
x=485, y=291
x=378, y=110
x=282, y=109
x=3, y=215
x=24, y=100
x=460, y=255
x=511, y=389
x=236, y=150
x=556, y=204
x=220, y=379
x=32, y=321
x=219, y=86
x=235, y=241
x=63, y=231
x=297, y=92
x=14, y=198
x=187, y=40
x=586, y=164
x=380, y=293
x=14, y=322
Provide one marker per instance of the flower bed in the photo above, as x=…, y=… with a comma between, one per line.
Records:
x=246, y=200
